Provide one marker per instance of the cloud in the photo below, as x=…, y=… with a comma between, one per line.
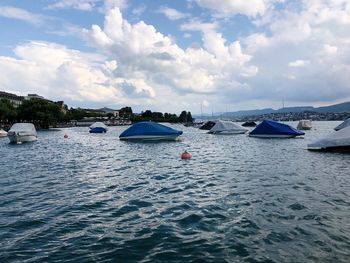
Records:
x=60, y=73
x=298, y=63
x=145, y=54
x=21, y=14
x=251, y=8
x=312, y=32
x=88, y=5
x=83, y=5
x=173, y=14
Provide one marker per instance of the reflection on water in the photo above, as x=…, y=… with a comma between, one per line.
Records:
x=94, y=198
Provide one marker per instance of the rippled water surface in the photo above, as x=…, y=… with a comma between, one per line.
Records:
x=93, y=198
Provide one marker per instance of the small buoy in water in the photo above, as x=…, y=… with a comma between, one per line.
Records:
x=65, y=136
x=186, y=155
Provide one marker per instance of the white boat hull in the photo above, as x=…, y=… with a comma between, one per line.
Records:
x=272, y=136
x=19, y=138
x=151, y=137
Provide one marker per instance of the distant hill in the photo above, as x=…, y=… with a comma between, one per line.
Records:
x=341, y=107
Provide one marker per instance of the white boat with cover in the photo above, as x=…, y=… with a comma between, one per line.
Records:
x=336, y=141
x=22, y=132
x=3, y=133
x=227, y=127
x=304, y=125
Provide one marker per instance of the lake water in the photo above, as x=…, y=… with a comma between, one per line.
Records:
x=94, y=198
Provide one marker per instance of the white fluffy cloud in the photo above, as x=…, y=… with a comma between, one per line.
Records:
x=318, y=33
x=145, y=54
x=60, y=73
x=21, y=14
x=172, y=13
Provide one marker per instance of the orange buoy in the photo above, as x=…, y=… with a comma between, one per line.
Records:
x=65, y=136
x=186, y=155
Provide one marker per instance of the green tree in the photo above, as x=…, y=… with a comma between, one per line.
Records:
x=189, y=117
x=7, y=111
x=147, y=114
x=125, y=112
x=41, y=112
x=183, y=116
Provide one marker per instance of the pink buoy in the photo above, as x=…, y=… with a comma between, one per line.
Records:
x=186, y=155
x=65, y=136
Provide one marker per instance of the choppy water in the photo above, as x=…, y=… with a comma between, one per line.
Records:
x=93, y=198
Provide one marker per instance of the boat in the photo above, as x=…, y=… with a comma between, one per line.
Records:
x=304, y=125
x=344, y=124
x=22, y=132
x=227, y=127
x=149, y=131
x=208, y=125
x=3, y=133
x=198, y=124
x=98, y=127
x=336, y=141
x=249, y=124
x=274, y=129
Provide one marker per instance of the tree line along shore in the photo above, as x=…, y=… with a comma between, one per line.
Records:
x=45, y=114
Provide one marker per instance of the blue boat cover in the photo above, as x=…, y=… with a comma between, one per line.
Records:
x=149, y=128
x=98, y=130
x=275, y=128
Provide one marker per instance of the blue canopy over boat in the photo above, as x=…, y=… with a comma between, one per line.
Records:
x=270, y=127
x=98, y=127
x=143, y=129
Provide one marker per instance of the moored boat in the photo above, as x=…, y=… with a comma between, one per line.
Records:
x=344, y=124
x=22, y=132
x=336, y=141
x=149, y=131
x=227, y=127
x=3, y=133
x=98, y=127
x=208, y=125
x=274, y=129
x=304, y=125
x=249, y=124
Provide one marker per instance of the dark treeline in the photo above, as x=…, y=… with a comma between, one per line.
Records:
x=160, y=117
x=45, y=114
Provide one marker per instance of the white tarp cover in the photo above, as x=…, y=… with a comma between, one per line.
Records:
x=335, y=139
x=342, y=125
x=23, y=127
x=222, y=126
x=99, y=125
x=304, y=124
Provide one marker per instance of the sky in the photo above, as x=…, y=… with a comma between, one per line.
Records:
x=169, y=56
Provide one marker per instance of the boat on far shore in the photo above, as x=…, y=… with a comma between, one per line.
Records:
x=22, y=132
